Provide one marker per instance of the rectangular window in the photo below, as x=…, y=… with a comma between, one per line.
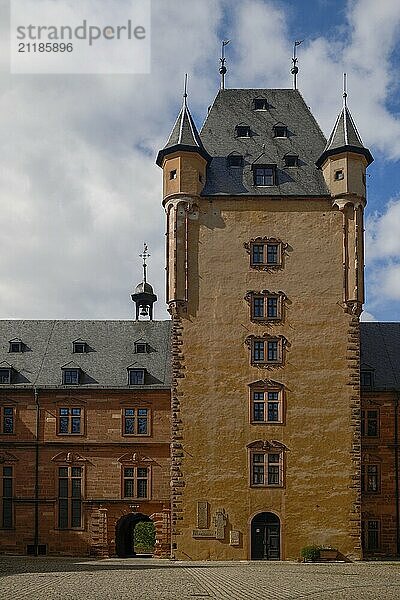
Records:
x=366, y=379
x=235, y=160
x=260, y=104
x=79, y=347
x=5, y=375
x=265, y=175
x=70, y=421
x=70, y=497
x=70, y=376
x=173, y=174
x=7, y=419
x=272, y=347
x=258, y=307
x=136, y=421
x=370, y=478
x=258, y=351
x=371, y=533
x=266, y=351
x=16, y=346
x=266, y=469
x=370, y=423
x=140, y=348
x=265, y=254
x=7, y=498
x=266, y=406
x=243, y=131
x=136, y=482
x=272, y=307
x=136, y=376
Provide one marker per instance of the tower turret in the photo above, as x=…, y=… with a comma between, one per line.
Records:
x=183, y=161
x=343, y=163
x=144, y=296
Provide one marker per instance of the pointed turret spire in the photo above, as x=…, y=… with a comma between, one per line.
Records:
x=184, y=135
x=344, y=136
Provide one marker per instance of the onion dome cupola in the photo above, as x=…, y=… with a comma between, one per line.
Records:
x=345, y=158
x=144, y=296
x=184, y=158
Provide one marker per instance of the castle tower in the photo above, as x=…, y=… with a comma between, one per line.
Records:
x=343, y=163
x=265, y=399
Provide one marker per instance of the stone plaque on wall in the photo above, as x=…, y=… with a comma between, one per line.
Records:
x=208, y=533
x=220, y=519
x=234, y=537
x=202, y=515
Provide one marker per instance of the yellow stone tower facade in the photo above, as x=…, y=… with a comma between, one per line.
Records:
x=265, y=288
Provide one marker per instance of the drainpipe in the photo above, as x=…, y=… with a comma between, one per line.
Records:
x=36, y=519
x=396, y=469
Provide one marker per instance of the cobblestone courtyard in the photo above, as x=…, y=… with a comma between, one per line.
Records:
x=130, y=579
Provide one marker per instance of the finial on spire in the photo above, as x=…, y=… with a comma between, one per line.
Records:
x=185, y=89
x=295, y=69
x=344, y=90
x=145, y=255
x=223, y=68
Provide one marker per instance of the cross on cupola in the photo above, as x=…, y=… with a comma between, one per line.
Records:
x=144, y=296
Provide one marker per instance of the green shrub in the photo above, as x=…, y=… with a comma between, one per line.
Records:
x=310, y=553
x=145, y=537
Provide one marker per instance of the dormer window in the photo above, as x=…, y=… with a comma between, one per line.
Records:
x=260, y=104
x=140, y=347
x=291, y=160
x=366, y=379
x=280, y=130
x=242, y=131
x=16, y=346
x=264, y=175
x=5, y=375
x=136, y=376
x=79, y=347
x=71, y=376
x=235, y=160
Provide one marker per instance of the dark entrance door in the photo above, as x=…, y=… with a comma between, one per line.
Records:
x=125, y=534
x=265, y=537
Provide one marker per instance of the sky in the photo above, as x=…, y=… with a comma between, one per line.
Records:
x=80, y=191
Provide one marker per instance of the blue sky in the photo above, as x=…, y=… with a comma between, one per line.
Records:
x=79, y=189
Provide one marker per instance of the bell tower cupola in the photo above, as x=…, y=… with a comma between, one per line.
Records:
x=144, y=296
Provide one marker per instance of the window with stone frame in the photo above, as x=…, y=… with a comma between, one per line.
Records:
x=267, y=350
x=136, y=482
x=370, y=423
x=70, y=495
x=265, y=253
x=7, y=419
x=136, y=421
x=265, y=306
x=266, y=469
x=6, y=497
x=266, y=402
x=370, y=478
x=371, y=534
x=70, y=420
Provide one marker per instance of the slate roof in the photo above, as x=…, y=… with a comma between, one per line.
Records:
x=234, y=107
x=184, y=136
x=380, y=351
x=344, y=137
x=49, y=345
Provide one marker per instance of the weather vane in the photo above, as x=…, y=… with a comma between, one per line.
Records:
x=223, y=68
x=185, y=89
x=295, y=68
x=145, y=255
x=344, y=90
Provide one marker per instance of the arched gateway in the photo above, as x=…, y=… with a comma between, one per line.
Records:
x=265, y=537
x=125, y=533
